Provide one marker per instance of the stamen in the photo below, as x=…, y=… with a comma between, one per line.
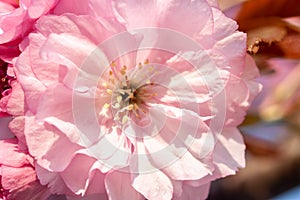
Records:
x=113, y=64
x=104, y=85
x=109, y=91
x=125, y=119
x=129, y=97
x=119, y=99
x=106, y=105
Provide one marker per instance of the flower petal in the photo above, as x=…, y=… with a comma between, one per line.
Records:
x=118, y=186
x=45, y=143
x=78, y=182
x=158, y=184
x=229, y=152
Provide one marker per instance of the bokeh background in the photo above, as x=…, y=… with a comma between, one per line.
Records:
x=272, y=127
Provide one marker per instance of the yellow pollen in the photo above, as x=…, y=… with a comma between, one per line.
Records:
x=119, y=99
x=109, y=91
x=110, y=73
x=104, y=85
x=106, y=105
x=124, y=119
x=146, y=61
x=136, y=107
x=151, y=69
x=113, y=64
x=130, y=107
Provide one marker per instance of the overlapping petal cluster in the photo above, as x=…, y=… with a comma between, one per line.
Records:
x=17, y=176
x=132, y=99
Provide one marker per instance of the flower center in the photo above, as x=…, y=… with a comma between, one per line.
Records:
x=130, y=91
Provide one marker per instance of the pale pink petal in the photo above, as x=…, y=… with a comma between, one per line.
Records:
x=179, y=138
x=79, y=7
x=55, y=102
x=165, y=14
x=33, y=66
x=30, y=84
x=9, y=155
x=223, y=26
x=159, y=186
x=11, y=25
x=251, y=74
x=17, y=127
x=80, y=26
x=112, y=149
x=39, y=7
x=229, y=154
x=15, y=104
x=78, y=182
x=238, y=102
x=213, y=3
x=181, y=127
x=45, y=142
x=63, y=44
x=230, y=53
x=192, y=66
x=52, y=180
x=118, y=186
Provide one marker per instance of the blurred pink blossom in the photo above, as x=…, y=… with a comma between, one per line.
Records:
x=165, y=122
x=279, y=98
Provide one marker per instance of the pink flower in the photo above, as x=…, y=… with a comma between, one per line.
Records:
x=17, y=17
x=16, y=21
x=115, y=109
x=279, y=98
x=17, y=176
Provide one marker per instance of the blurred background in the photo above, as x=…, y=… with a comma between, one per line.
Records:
x=272, y=127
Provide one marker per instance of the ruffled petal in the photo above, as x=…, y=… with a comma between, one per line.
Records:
x=229, y=154
x=165, y=14
x=79, y=182
x=45, y=142
x=9, y=154
x=159, y=186
x=118, y=186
